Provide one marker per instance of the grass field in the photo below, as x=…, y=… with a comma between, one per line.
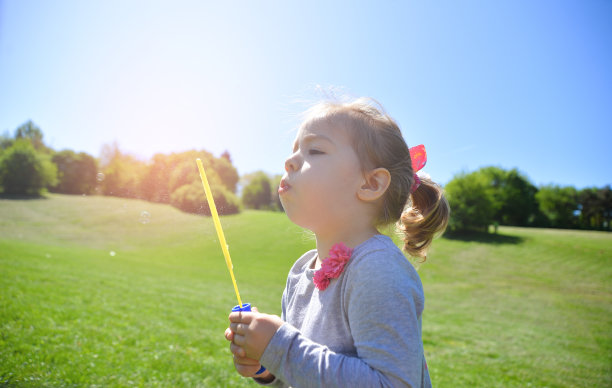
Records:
x=99, y=291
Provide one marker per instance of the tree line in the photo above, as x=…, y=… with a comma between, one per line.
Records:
x=495, y=196
x=488, y=196
x=30, y=168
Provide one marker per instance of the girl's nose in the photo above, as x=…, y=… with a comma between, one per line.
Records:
x=291, y=164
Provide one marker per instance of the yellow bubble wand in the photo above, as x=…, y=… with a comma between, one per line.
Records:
x=217, y=221
x=224, y=247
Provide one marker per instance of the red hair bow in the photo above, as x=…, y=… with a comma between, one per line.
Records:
x=418, y=157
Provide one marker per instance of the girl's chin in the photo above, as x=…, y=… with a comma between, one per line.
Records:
x=299, y=219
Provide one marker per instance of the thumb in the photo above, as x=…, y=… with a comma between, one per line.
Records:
x=254, y=309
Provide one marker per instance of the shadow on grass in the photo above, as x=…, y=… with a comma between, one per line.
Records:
x=482, y=237
x=21, y=196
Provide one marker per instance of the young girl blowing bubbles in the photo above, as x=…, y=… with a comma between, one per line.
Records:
x=351, y=309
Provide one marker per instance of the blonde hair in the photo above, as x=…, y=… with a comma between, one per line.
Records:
x=378, y=142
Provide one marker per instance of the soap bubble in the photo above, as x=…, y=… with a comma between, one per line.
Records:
x=112, y=253
x=47, y=255
x=100, y=177
x=145, y=217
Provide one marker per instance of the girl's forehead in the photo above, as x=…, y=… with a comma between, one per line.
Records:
x=335, y=128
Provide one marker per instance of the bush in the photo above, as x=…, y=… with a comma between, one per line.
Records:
x=258, y=194
x=472, y=203
x=559, y=205
x=121, y=173
x=23, y=171
x=76, y=172
x=191, y=198
x=513, y=196
x=167, y=173
x=227, y=172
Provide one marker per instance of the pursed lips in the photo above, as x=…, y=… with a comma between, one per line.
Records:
x=283, y=187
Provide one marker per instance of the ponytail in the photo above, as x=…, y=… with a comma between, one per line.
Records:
x=425, y=217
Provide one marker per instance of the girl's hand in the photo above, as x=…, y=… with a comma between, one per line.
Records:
x=250, y=333
x=246, y=366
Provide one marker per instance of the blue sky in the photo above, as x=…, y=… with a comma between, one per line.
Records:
x=515, y=84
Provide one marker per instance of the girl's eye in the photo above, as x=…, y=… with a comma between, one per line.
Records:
x=315, y=152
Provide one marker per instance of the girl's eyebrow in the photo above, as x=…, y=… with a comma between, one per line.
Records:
x=310, y=138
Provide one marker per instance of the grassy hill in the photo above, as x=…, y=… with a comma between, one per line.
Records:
x=109, y=291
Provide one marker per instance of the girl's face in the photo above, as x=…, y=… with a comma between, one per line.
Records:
x=322, y=178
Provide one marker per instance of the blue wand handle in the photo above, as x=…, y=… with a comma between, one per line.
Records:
x=247, y=307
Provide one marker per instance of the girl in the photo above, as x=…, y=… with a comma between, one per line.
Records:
x=351, y=309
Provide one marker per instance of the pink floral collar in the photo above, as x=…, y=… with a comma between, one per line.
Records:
x=332, y=266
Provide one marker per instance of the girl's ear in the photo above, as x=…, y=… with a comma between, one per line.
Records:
x=375, y=183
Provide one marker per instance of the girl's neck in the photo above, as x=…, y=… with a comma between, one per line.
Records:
x=350, y=237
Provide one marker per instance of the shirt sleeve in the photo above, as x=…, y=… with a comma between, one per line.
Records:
x=383, y=304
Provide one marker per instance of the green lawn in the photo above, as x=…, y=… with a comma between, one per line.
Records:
x=96, y=292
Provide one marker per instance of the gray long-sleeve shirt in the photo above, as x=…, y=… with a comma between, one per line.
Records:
x=364, y=330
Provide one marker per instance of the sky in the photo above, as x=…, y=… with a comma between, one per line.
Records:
x=514, y=84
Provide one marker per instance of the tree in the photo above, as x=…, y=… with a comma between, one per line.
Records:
x=226, y=155
x=227, y=172
x=559, y=205
x=191, y=198
x=513, y=196
x=31, y=132
x=471, y=201
x=595, y=207
x=154, y=182
x=606, y=198
x=6, y=141
x=185, y=172
x=76, y=172
x=23, y=171
x=257, y=194
x=120, y=173
x=169, y=172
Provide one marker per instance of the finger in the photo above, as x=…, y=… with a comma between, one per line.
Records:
x=246, y=370
x=239, y=328
x=229, y=335
x=245, y=361
x=241, y=316
x=239, y=339
x=237, y=351
x=255, y=310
